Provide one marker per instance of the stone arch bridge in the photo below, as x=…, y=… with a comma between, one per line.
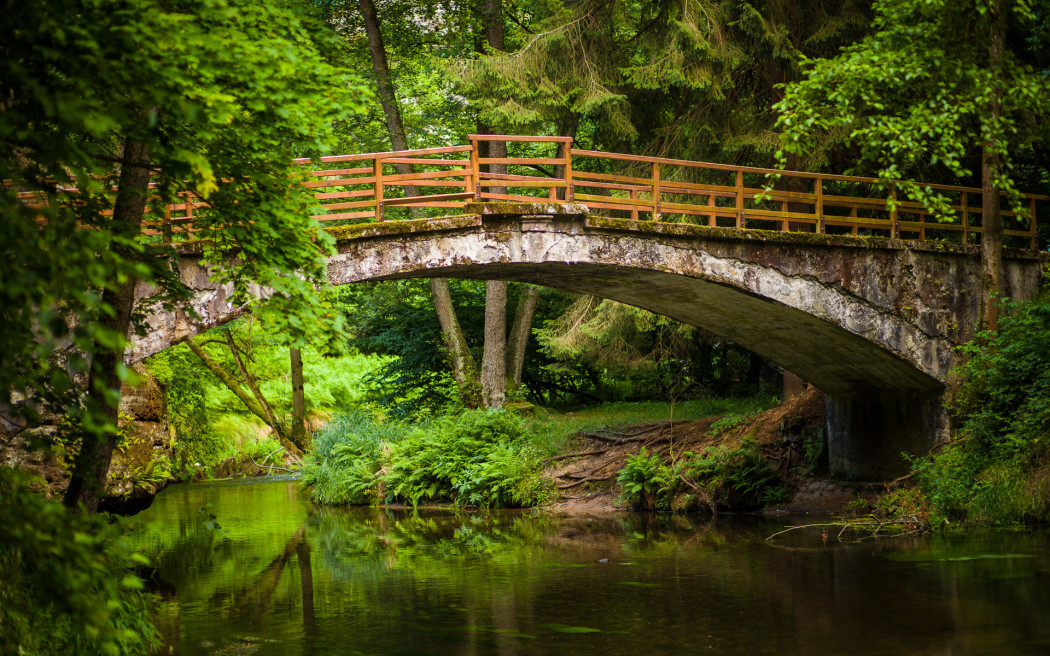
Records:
x=873, y=322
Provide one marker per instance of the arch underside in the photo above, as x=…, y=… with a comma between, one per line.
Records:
x=832, y=358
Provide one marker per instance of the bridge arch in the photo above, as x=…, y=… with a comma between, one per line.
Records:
x=872, y=322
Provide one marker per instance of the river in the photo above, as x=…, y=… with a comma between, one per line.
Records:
x=256, y=569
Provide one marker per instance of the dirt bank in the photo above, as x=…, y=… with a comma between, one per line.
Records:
x=792, y=438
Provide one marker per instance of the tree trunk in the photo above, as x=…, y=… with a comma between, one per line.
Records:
x=298, y=399
x=247, y=399
x=92, y=463
x=494, y=363
x=519, y=335
x=991, y=219
x=395, y=127
x=464, y=368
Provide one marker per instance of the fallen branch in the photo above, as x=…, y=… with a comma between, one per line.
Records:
x=575, y=455
x=585, y=480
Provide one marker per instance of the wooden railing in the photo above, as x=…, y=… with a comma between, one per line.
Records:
x=440, y=181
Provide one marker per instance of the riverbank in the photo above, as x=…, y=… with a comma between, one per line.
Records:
x=790, y=438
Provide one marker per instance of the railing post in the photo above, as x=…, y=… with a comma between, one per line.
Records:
x=167, y=224
x=1031, y=225
x=712, y=221
x=966, y=217
x=475, y=169
x=818, y=188
x=856, y=226
x=634, y=208
x=785, y=225
x=895, y=232
x=570, y=191
x=656, y=191
x=740, y=199
x=377, y=185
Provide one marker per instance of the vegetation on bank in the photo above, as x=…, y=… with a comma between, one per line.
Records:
x=497, y=458
x=996, y=470
x=67, y=581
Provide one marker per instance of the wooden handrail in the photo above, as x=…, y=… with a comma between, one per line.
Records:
x=615, y=184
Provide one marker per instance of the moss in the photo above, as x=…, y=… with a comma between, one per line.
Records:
x=386, y=228
x=539, y=208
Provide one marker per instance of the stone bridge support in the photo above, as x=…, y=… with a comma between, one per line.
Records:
x=872, y=322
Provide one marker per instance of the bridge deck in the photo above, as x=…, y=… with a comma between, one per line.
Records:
x=433, y=182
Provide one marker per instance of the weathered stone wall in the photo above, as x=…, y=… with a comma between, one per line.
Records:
x=873, y=322
x=134, y=475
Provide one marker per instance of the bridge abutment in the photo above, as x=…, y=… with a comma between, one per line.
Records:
x=869, y=431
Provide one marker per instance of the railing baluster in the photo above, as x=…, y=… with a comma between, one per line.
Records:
x=740, y=199
x=656, y=191
x=377, y=185
x=570, y=191
x=475, y=169
x=634, y=210
x=1034, y=240
x=966, y=217
x=894, y=223
x=818, y=189
x=712, y=220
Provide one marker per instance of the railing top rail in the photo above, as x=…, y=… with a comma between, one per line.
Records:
x=518, y=137
x=765, y=171
x=331, y=159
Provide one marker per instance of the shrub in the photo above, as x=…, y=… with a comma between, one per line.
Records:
x=345, y=459
x=478, y=457
x=66, y=583
x=995, y=471
x=647, y=482
x=737, y=479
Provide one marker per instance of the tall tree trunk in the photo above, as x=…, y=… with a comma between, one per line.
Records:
x=298, y=399
x=92, y=463
x=464, y=368
x=991, y=219
x=519, y=335
x=494, y=360
x=494, y=364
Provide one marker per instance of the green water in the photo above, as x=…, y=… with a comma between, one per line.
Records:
x=278, y=576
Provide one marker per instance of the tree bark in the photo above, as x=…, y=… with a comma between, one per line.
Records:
x=92, y=463
x=494, y=363
x=298, y=436
x=395, y=126
x=464, y=368
x=991, y=219
x=519, y=335
x=247, y=399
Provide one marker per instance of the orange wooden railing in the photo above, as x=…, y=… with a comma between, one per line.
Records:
x=440, y=181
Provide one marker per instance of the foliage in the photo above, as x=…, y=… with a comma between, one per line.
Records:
x=737, y=479
x=66, y=585
x=995, y=471
x=185, y=389
x=734, y=479
x=916, y=96
x=646, y=480
x=346, y=457
x=479, y=457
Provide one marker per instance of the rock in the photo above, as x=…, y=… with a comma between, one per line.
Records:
x=141, y=464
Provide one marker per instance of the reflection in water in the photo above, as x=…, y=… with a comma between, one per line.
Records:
x=286, y=578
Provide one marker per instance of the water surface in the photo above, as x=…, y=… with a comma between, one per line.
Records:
x=257, y=570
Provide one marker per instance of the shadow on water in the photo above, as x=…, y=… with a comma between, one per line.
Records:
x=284, y=577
